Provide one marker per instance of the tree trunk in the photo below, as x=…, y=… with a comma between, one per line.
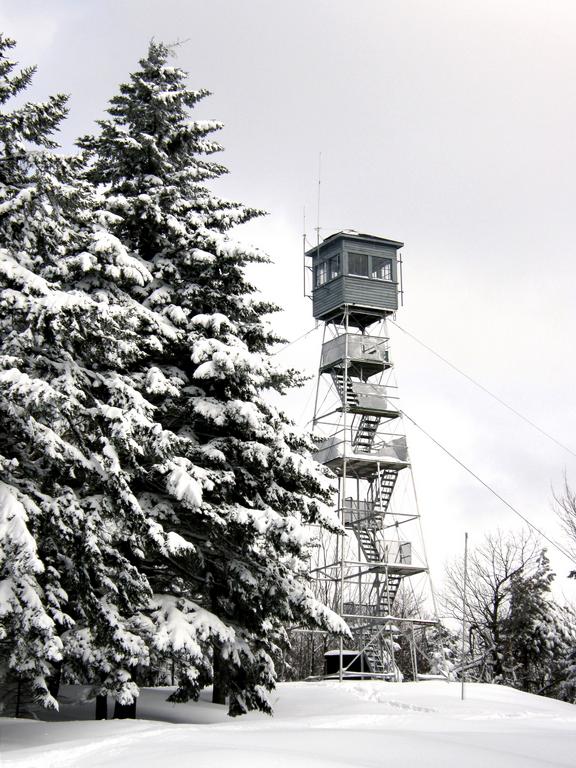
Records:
x=312, y=656
x=18, y=696
x=125, y=711
x=219, y=683
x=54, y=681
x=101, y=707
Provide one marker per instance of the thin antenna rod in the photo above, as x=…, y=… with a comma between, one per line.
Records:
x=319, y=190
x=318, y=199
x=304, y=250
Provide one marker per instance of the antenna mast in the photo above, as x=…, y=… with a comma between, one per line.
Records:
x=318, y=200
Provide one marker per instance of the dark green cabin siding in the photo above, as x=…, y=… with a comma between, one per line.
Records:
x=356, y=292
x=369, y=297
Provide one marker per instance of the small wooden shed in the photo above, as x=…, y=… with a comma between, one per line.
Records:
x=355, y=665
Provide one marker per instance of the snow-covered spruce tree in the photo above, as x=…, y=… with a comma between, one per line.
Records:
x=563, y=683
x=528, y=641
x=249, y=529
x=29, y=181
x=537, y=634
x=76, y=435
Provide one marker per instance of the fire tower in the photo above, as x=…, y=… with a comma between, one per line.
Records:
x=375, y=574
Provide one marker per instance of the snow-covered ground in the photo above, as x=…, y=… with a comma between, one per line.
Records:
x=322, y=724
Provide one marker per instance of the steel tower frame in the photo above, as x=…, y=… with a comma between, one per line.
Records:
x=368, y=570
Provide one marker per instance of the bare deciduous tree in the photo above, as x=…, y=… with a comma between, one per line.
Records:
x=492, y=567
x=565, y=505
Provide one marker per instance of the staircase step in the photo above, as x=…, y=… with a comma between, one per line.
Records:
x=351, y=396
x=366, y=431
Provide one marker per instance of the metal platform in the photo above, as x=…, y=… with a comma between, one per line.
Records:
x=392, y=569
x=366, y=355
x=337, y=453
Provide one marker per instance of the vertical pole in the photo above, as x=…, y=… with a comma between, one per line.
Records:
x=391, y=655
x=324, y=573
x=315, y=420
x=465, y=585
x=401, y=281
x=360, y=513
x=344, y=471
x=318, y=204
x=425, y=553
x=304, y=255
x=336, y=573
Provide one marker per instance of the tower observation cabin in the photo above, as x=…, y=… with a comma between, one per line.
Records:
x=362, y=272
x=369, y=569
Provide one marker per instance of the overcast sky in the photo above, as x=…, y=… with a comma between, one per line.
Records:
x=447, y=124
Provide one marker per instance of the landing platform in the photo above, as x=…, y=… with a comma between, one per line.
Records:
x=361, y=465
x=393, y=569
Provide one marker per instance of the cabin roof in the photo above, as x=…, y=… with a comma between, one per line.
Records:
x=351, y=234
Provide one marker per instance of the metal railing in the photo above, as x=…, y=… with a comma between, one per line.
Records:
x=390, y=450
x=369, y=350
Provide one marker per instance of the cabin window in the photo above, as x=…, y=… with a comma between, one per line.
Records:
x=320, y=271
x=334, y=267
x=381, y=268
x=326, y=270
x=358, y=264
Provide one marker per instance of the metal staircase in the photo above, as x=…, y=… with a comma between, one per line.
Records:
x=363, y=637
x=368, y=544
x=382, y=488
x=350, y=398
x=363, y=439
x=386, y=585
x=376, y=649
x=387, y=591
x=377, y=652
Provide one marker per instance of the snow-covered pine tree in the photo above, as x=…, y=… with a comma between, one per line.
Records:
x=249, y=529
x=75, y=435
x=563, y=677
x=29, y=180
x=529, y=642
x=536, y=636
